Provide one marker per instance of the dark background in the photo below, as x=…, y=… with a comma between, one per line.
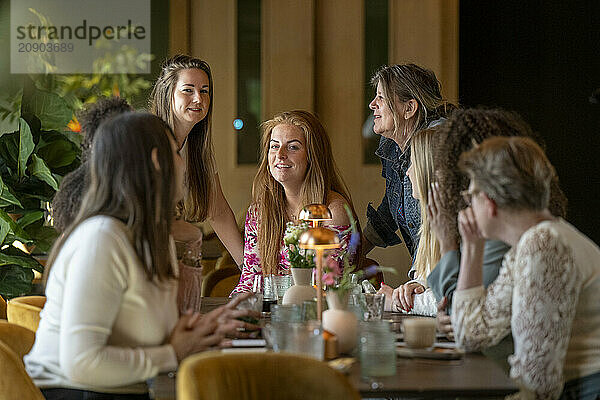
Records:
x=542, y=59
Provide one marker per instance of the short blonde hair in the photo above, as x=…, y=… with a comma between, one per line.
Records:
x=512, y=171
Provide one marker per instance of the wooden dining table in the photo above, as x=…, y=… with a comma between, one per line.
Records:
x=472, y=376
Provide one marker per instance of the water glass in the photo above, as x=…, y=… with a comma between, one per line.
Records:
x=281, y=283
x=371, y=305
x=276, y=334
x=377, y=349
x=305, y=338
x=286, y=313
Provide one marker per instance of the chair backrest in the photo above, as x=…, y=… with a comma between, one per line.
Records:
x=25, y=311
x=14, y=381
x=2, y=308
x=264, y=376
x=220, y=282
x=18, y=338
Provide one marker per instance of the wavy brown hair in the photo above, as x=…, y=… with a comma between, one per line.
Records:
x=200, y=163
x=268, y=195
x=458, y=134
x=125, y=184
x=410, y=81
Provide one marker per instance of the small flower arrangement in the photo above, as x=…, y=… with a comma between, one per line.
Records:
x=339, y=280
x=299, y=258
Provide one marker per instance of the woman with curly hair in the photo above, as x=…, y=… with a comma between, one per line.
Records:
x=461, y=131
x=297, y=168
x=67, y=200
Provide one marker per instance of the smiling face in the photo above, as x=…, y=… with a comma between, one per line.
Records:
x=288, y=157
x=384, y=119
x=191, y=97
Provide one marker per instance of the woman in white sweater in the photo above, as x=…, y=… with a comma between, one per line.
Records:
x=110, y=321
x=548, y=290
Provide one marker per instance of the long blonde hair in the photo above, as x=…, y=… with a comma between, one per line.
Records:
x=428, y=251
x=268, y=195
x=200, y=162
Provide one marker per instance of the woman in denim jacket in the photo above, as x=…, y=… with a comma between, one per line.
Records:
x=408, y=99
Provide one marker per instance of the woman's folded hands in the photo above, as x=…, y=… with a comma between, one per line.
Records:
x=195, y=332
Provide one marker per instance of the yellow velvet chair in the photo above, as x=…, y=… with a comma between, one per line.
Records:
x=18, y=338
x=260, y=376
x=2, y=308
x=25, y=311
x=14, y=381
x=220, y=282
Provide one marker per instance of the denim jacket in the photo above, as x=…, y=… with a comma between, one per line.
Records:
x=398, y=208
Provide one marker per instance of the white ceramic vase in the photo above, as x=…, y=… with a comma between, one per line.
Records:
x=343, y=323
x=302, y=289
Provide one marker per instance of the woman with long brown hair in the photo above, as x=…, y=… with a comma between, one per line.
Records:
x=110, y=321
x=297, y=168
x=183, y=97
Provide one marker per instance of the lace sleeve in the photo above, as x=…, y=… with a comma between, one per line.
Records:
x=545, y=298
x=482, y=318
x=251, y=266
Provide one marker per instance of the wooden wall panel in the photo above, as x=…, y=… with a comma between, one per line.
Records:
x=426, y=32
x=287, y=55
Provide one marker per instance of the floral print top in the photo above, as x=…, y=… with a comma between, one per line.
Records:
x=252, y=263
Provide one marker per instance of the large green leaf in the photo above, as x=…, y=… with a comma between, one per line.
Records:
x=30, y=217
x=9, y=151
x=58, y=153
x=40, y=170
x=6, y=197
x=14, y=228
x=4, y=230
x=52, y=110
x=15, y=281
x=10, y=111
x=25, y=146
x=25, y=262
x=44, y=236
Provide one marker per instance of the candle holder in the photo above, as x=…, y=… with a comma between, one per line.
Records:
x=319, y=239
x=315, y=213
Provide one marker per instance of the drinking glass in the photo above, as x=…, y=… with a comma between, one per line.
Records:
x=377, y=349
x=371, y=305
x=265, y=285
x=305, y=338
x=281, y=283
x=286, y=313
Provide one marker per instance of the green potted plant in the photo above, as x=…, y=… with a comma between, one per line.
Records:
x=36, y=151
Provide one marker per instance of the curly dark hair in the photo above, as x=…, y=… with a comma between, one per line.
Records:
x=66, y=202
x=93, y=114
x=463, y=129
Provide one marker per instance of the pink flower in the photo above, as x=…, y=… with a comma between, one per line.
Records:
x=328, y=279
x=333, y=266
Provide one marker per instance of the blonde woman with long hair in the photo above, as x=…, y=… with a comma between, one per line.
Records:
x=183, y=97
x=297, y=168
x=413, y=296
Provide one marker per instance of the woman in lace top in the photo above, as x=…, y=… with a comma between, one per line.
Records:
x=297, y=168
x=548, y=289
